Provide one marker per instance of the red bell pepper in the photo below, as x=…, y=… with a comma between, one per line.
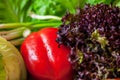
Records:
x=43, y=58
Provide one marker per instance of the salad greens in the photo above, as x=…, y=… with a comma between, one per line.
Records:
x=36, y=14
x=20, y=10
x=93, y=35
x=14, y=10
x=18, y=18
x=99, y=1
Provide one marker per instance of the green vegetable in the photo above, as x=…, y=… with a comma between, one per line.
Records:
x=14, y=10
x=54, y=7
x=11, y=62
x=21, y=10
x=16, y=32
x=102, y=40
x=117, y=3
x=93, y=2
x=112, y=2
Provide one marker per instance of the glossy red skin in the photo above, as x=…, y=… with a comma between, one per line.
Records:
x=43, y=58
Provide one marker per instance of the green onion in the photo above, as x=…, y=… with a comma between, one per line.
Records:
x=16, y=32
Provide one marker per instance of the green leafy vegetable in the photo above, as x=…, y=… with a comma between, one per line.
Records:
x=99, y=1
x=14, y=10
x=54, y=7
x=117, y=3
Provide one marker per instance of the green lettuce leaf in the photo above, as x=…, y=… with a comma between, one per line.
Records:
x=93, y=2
x=117, y=3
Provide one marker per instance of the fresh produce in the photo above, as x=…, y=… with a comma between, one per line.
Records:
x=32, y=15
x=12, y=66
x=44, y=58
x=16, y=32
x=19, y=18
x=93, y=34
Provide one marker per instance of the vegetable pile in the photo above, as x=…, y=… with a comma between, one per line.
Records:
x=93, y=34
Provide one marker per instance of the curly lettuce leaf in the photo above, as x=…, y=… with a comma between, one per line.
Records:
x=54, y=7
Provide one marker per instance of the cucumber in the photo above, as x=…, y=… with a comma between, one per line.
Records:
x=12, y=60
